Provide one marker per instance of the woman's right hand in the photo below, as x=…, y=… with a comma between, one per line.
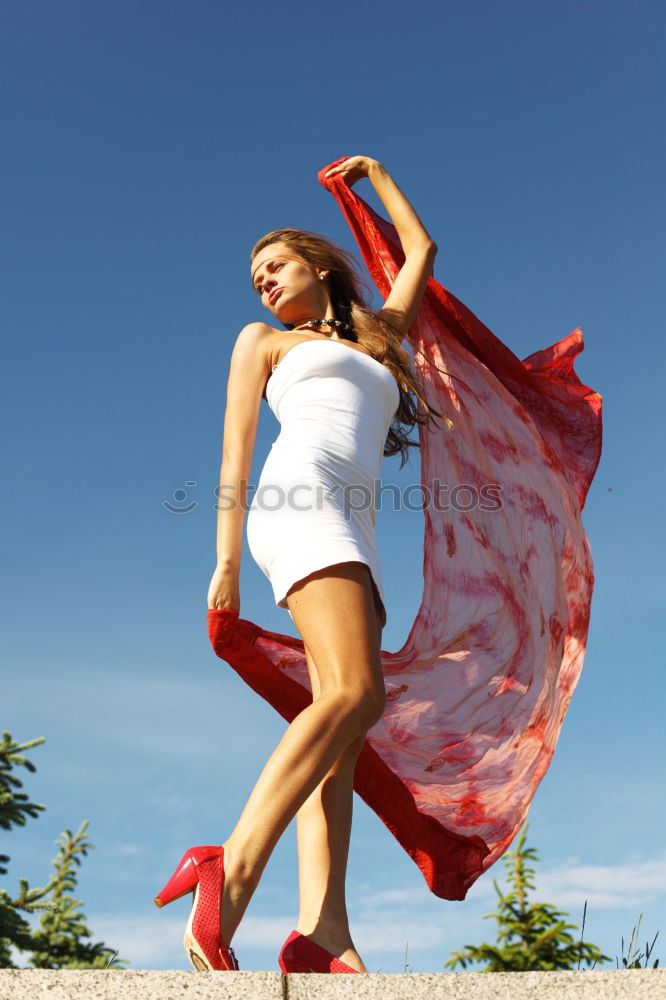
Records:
x=223, y=592
x=353, y=168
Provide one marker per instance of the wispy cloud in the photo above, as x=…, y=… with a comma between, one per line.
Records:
x=387, y=921
x=121, y=850
x=153, y=942
x=165, y=721
x=634, y=882
x=157, y=941
x=143, y=941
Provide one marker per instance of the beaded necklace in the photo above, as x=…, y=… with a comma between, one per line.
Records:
x=326, y=322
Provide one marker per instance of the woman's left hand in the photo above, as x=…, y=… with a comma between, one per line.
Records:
x=223, y=591
x=353, y=168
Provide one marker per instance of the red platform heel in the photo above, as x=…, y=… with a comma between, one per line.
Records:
x=201, y=871
x=300, y=954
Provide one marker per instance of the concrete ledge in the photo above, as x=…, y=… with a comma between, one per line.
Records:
x=139, y=984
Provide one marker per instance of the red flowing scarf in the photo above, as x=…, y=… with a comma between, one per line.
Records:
x=478, y=693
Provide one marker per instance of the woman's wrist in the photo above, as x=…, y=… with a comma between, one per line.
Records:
x=374, y=167
x=411, y=232
x=227, y=565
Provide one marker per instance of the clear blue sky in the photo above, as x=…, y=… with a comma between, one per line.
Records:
x=146, y=145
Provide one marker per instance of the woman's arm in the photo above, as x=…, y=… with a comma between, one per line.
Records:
x=409, y=286
x=248, y=372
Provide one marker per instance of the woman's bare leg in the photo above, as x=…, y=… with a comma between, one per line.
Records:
x=334, y=612
x=323, y=825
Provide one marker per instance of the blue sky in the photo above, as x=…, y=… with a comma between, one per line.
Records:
x=147, y=145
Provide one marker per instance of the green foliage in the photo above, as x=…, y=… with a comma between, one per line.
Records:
x=530, y=936
x=59, y=941
x=633, y=959
x=14, y=805
x=14, y=928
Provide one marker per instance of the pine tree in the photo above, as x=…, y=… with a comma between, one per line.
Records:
x=15, y=807
x=530, y=936
x=59, y=942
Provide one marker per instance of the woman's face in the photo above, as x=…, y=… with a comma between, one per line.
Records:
x=288, y=286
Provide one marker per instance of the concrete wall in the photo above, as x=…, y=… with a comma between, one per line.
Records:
x=117, y=984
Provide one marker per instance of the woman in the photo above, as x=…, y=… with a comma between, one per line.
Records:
x=335, y=402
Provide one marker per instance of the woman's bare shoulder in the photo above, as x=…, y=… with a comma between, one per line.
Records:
x=257, y=331
x=258, y=338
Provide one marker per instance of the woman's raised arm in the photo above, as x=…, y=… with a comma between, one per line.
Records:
x=419, y=248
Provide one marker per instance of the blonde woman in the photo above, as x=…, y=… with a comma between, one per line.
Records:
x=341, y=385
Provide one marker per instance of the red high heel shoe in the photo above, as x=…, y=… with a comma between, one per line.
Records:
x=300, y=954
x=201, y=871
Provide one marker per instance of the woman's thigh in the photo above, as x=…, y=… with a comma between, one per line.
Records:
x=336, y=616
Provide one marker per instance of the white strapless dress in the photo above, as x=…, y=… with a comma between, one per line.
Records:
x=317, y=495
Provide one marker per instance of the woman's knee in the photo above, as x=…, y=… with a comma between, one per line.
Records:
x=362, y=708
x=368, y=706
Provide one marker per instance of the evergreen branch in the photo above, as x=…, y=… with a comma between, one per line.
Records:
x=61, y=939
x=15, y=806
x=530, y=936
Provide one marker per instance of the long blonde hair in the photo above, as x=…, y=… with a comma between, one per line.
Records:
x=379, y=337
